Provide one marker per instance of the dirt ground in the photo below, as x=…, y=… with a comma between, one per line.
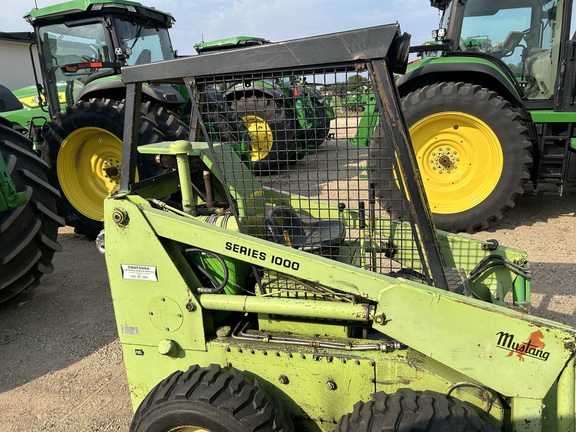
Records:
x=61, y=362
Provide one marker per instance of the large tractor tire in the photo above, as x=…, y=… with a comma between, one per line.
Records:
x=84, y=146
x=29, y=233
x=165, y=121
x=316, y=136
x=473, y=151
x=223, y=123
x=210, y=400
x=407, y=410
x=272, y=133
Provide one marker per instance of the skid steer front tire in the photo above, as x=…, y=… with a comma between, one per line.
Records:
x=29, y=233
x=407, y=410
x=209, y=399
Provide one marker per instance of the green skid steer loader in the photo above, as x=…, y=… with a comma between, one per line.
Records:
x=296, y=302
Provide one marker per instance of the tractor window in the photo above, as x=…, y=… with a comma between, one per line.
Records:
x=143, y=43
x=67, y=50
x=496, y=31
x=520, y=33
x=66, y=45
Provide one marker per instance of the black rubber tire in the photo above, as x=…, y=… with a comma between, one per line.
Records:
x=316, y=136
x=382, y=175
x=506, y=124
x=29, y=233
x=167, y=122
x=407, y=411
x=216, y=399
x=223, y=123
x=106, y=114
x=282, y=126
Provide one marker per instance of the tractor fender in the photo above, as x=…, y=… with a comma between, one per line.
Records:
x=8, y=102
x=259, y=88
x=164, y=95
x=483, y=71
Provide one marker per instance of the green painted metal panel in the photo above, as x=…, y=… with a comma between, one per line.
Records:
x=550, y=116
x=524, y=354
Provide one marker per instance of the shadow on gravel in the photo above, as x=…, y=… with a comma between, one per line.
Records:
x=554, y=291
x=68, y=317
x=543, y=206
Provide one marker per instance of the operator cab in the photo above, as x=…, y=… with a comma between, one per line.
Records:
x=78, y=47
x=525, y=34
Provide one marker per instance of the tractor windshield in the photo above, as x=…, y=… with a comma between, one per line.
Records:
x=143, y=43
x=71, y=54
x=523, y=34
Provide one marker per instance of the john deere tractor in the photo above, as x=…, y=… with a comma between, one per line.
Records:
x=76, y=113
x=490, y=107
x=28, y=220
x=296, y=302
x=298, y=123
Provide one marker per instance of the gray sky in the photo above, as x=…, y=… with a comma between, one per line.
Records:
x=275, y=20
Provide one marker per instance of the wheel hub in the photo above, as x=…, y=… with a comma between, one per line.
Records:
x=444, y=160
x=111, y=168
x=88, y=168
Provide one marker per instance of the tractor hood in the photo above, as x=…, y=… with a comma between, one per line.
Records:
x=229, y=43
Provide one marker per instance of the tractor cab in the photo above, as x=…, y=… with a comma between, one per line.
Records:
x=526, y=35
x=83, y=42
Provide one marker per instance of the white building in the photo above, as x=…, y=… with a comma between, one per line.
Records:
x=16, y=66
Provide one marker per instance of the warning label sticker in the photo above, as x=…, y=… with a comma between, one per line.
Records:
x=139, y=272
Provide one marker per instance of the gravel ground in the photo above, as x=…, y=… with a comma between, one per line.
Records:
x=62, y=366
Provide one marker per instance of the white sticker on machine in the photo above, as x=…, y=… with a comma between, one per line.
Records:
x=139, y=272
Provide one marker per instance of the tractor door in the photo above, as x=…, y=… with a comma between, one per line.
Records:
x=526, y=35
x=70, y=54
x=566, y=87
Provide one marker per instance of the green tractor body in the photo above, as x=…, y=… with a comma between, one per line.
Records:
x=490, y=107
x=295, y=302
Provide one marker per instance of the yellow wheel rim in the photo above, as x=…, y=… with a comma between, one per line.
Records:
x=460, y=160
x=88, y=168
x=261, y=137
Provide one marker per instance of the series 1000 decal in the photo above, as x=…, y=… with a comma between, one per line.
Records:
x=262, y=256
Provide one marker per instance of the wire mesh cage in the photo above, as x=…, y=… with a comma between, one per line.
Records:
x=323, y=178
x=302, y=144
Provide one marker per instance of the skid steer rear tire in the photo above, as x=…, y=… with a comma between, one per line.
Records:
x=210, y=399
x=84, y=147
x=407, y=410
x=473, y=151
x=29, y=233
x=272, y=132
